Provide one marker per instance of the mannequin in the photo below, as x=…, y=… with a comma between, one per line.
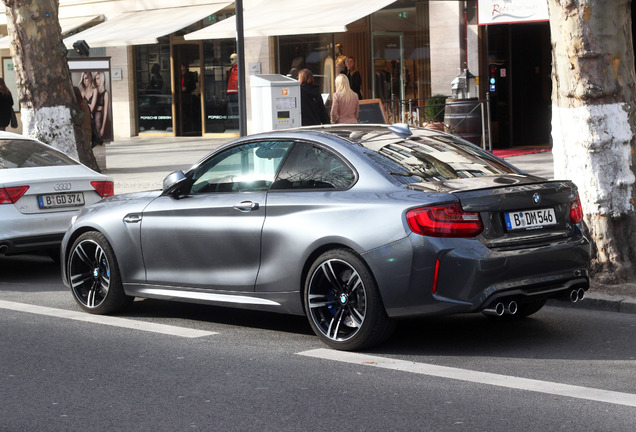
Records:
x=232, y=93
x=340, y=59
x=232, y=77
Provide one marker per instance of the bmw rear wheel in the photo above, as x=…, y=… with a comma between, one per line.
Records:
x=94, y=276
x=343, y=303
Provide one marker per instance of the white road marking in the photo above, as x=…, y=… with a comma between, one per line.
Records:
x=106, y=320
x=592, y=394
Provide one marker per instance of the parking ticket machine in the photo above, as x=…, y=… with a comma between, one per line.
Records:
x=275, y=102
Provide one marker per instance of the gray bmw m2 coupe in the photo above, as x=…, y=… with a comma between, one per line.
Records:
x=354, y=226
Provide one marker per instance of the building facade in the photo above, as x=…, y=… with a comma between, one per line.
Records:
x=171, y=71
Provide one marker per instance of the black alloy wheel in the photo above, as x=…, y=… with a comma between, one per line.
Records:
x=343, y=304
x=94, y=276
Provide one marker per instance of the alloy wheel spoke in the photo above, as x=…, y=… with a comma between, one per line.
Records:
x=83, y=256
x=99, y=255
x=354, y=283
x=92, y=296
x=104, y=283
x=320, y=300
x=332, y=332
x=356, y=316
x=79, y=279
x=329, y=273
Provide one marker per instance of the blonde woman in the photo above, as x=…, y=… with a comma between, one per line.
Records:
x=101, y=107
x=345, y=106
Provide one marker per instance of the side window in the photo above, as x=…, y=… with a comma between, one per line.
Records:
x=244, y=168
x=312, y=167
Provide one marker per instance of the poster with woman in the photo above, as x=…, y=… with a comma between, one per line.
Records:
x=95, y=86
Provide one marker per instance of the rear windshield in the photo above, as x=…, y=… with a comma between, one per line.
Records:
x=431, y=157
x=19, y=153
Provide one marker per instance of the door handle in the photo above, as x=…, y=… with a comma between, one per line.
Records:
x=246, y=206
x=132, y=218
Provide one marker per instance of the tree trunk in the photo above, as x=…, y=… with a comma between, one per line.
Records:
x=50, y=112
x=593, y=124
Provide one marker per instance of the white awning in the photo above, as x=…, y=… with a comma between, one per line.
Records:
x=144, y=26
x=67, y=25
x=291, y=17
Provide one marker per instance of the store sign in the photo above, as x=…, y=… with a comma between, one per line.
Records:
x=511, y=11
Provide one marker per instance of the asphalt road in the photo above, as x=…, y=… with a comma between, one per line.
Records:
x=167, y=366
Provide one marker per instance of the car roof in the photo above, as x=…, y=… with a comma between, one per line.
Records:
x=355, y=133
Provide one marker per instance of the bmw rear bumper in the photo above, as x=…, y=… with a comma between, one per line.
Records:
x=471, y=276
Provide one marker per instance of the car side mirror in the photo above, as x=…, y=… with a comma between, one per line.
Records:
x=173, y=182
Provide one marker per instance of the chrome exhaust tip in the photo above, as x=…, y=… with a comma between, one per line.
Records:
x=580, y=294
x=512, y=308
x=497, y=310
x=574, y=296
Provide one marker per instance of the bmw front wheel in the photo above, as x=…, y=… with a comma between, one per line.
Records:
x=343, y=303
x=94, y=276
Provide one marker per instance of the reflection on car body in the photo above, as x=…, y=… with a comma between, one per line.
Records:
x=355, y=226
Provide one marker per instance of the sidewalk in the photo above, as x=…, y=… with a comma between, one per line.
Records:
x=141, y=163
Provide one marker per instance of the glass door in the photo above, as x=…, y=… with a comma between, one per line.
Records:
x=187, y=89
x=389, y=71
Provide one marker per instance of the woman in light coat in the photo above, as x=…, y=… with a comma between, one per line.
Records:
x=345, y=106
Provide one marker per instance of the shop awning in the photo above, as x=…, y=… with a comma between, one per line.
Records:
x=67, y=25
x=144, y=26
x=290, y=17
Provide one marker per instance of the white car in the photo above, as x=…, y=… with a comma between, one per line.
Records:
x=41, y=189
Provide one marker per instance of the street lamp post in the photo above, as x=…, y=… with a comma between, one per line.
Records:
x=240, y=50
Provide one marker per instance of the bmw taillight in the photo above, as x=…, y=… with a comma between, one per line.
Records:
x=10, y=195
x=444, y=221
x=576, y=210
x=104, y=188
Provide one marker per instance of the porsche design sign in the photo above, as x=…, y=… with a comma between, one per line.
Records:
x=511, y=11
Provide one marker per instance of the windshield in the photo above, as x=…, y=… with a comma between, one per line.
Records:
x=20, y=153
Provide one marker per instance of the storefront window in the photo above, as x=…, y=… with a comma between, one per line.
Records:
x=314, y=52
x=401, y=58
x=154, y=99
x=221, y=86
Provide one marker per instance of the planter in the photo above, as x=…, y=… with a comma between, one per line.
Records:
x=462, y=117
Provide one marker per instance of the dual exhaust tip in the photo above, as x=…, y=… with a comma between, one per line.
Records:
x=511, y=307
x=500, y=308
x=577, y=295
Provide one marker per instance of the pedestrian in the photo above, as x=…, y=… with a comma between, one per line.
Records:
x=355, y=80
x=345, y=105
x=312, y=107
x=6, y=105
x=156, y=80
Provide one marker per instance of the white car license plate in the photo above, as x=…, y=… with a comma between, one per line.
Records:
x=530, y=219
x=61, y=200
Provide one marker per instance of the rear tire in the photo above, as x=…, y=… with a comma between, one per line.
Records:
x=343, y=304
x=94, y=275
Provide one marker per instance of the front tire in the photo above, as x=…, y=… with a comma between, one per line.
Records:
x=343, y=304
x=94, y=275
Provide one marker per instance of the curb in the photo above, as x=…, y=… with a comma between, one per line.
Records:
x=602, y=302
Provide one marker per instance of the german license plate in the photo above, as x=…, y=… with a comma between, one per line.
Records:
x=75, y=199
x=530, y=219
